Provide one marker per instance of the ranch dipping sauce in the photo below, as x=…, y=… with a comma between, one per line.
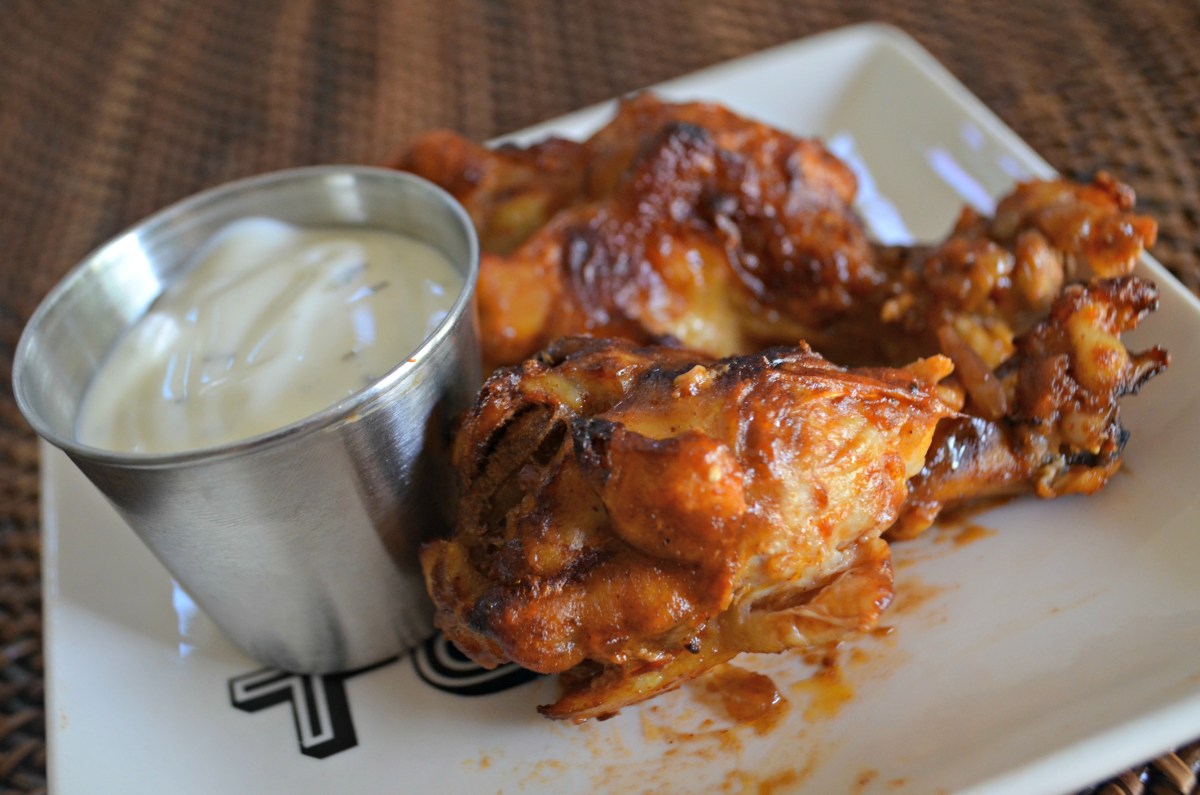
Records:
x=205, y=368
x=269, y=324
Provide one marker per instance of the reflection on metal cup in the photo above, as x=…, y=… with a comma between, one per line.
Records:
x=299, y=543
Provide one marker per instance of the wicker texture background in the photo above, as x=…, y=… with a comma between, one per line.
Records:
x=110, y=110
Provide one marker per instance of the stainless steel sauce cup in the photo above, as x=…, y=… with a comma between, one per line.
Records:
x=299, y=543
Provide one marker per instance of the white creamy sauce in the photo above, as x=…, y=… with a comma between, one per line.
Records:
x=271, y=323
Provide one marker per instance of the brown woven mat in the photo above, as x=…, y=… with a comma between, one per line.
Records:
x=110, y=110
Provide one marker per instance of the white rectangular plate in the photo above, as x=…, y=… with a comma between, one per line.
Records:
x=1053, y=652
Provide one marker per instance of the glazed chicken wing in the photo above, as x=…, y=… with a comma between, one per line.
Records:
x=508, y=191
x=686, y=222
x=1058, y=429
x=993, y=278
x=511, y=191
x=632, y=516
x=635, y=516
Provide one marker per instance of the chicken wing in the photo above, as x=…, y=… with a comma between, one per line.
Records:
x=512, y=191
x=1058, y=431
x=993, y=278
x=638, y=515
x=687, y=223
x=632, y=516
x=508, y=191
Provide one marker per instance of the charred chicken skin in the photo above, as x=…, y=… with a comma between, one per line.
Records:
x=632, y=516
x=637, y=515
x=1057, y=429
x=688, y=223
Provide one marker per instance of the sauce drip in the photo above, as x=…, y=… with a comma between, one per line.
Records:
x=270, y=323
x=747, y=697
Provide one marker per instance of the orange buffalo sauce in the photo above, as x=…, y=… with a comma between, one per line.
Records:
x=746, y=697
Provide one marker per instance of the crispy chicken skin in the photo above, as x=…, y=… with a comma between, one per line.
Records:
x=685, y=221
x=635, y=512
x=512, y=191
x=993, y=278
x=689, y=223
x=636, y=515
x=1058, y=431
x=508, y=191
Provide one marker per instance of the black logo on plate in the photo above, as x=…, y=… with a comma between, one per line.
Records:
x=440, y=664
x=319, y=705
x=321, y=710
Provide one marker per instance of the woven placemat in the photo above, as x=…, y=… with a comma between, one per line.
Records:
x=110, y=110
